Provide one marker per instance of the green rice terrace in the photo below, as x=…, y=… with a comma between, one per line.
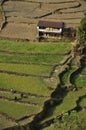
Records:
x=42, y=86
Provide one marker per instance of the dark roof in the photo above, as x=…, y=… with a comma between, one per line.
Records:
x=50, y=24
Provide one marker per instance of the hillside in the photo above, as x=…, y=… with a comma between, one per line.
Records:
x=35, y=88
x=42, y=84
x=22, y=16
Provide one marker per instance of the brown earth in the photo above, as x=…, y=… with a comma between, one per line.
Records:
x=22, y=16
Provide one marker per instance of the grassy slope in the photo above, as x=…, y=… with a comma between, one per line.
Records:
x=31, y=59
x=30, y=47
x=83, y=102
x=26, y=68
x=65, y=76
x=29, y=84
x=67, y=104
x=17, y=111
x=25, y=84
x=80, y=81
x=28, y=98
x=75, y=122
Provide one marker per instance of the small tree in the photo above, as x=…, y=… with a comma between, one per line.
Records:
x=82, y=31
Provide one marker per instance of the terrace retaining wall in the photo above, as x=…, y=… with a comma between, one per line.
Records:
x=2, y=19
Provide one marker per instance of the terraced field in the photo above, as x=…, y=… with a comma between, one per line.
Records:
x=42, y=85
x=36, y=84
x=22, y=16
x=25, y=73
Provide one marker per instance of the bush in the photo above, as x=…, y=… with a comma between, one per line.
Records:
x=82, y=31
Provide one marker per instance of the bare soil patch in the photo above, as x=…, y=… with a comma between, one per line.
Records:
x=22, y=16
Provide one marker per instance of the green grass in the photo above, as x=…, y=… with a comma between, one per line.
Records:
x=65, y=77
x=33, y=85
x=80, y=81
x=84, y=70
x=83, y=102
x=68, y=103
x=16, y=110
x=27, y=68
x=31, y=47
x=50, y=59
x=30, y=84
x=52, y=127
x=9, y=95
x=39, y=100
x=74, y=121
x=82, y=115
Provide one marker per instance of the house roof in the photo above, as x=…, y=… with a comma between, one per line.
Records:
x=50, y=24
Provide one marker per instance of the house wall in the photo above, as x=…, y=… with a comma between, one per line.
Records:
x=50, y=30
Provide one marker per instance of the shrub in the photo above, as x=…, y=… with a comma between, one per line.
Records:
x=82, y=31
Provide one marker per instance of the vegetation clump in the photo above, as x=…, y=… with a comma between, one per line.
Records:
x=82, y=31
